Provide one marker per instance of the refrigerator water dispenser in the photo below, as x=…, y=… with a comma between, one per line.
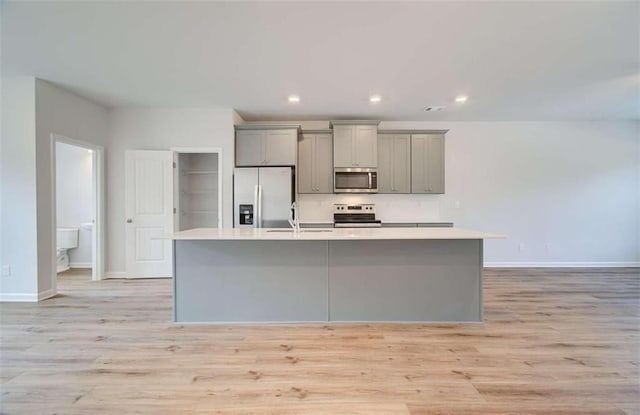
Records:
x=246, y=214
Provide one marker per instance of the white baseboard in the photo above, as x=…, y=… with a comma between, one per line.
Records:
x=561, y=264
x=80, y=264
x=120, y=274
x=142, y=277
x=19, y=297
x=27, y=297
x=46, y=294
x=116, y=274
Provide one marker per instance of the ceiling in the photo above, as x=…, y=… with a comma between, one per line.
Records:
x=515, y=60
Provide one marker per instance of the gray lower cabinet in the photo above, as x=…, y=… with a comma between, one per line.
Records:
x=436, y=225
x=232, y=281
x=315, y=163
x=427, y=163
x=398, y=225
x=394, y=163
x=417, y=225
x=318, y=225
x=266, y=147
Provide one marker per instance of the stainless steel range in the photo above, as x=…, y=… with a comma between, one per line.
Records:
x=355, y=216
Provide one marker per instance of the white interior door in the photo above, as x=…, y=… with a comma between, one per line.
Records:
x=95, y=200
x=149, y=213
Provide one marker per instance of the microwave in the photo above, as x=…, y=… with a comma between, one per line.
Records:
x=355, y=180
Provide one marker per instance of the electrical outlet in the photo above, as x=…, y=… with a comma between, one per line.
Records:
x=457, y=204
x=521, y=247
x=6, y=271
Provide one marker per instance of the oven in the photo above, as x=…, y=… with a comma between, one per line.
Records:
x=355, y=216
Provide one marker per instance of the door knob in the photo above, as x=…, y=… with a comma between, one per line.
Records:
x=129, y=220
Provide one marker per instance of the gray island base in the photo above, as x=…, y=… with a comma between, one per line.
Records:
x=340, y=280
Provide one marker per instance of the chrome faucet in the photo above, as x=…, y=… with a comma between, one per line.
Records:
x=295, y=220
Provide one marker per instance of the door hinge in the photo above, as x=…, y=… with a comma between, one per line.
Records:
x=174, y=211
x=174, y=164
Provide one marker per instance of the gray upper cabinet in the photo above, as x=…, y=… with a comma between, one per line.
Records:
x=343, y=145
x=266, y=147
x=315, y=163
x=355, y=145
x=394, y=163
x=366, y=146
x=427, y=163
x=249, y=148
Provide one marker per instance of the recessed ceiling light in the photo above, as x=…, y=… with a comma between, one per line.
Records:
x=435, y=108
x=461, y=99
x=294, y=98
x=375, y=98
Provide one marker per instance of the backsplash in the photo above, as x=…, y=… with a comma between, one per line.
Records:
x=389, y=208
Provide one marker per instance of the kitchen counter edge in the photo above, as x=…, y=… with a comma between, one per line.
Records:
x=280, y=234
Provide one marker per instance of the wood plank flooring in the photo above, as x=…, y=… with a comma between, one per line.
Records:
x=553, y=342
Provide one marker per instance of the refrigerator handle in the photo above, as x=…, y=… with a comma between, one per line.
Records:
x=260, y=224
x=256, y=207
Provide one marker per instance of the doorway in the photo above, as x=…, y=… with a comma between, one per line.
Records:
x=77, y=173
x=165, y=191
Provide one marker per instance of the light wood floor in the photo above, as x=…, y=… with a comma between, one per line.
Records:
x=554, y=342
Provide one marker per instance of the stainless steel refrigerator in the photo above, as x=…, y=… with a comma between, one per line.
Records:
x=262, y=197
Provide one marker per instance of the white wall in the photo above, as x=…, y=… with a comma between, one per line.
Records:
x=69, y=115
x=18, y=226
x=74, y=205
x=161, y=129
x=564, y=192
x=32, y=111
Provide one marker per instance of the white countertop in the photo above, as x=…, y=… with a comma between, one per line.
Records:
x=330, y=234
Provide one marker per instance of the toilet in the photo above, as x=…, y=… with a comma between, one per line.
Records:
x=66, y=238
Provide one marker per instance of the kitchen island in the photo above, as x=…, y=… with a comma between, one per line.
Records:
x=320, y=275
